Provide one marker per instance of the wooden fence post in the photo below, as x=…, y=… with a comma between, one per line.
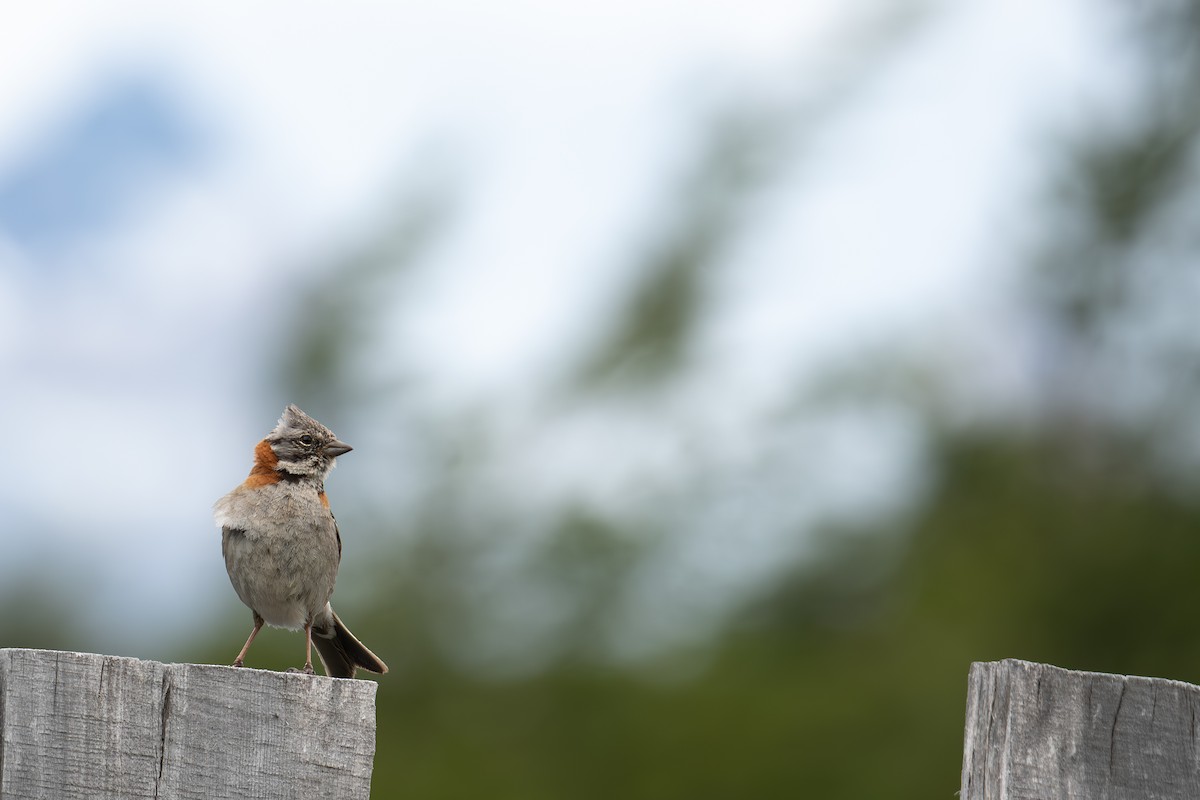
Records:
x=79, y=725
x=1036, y=731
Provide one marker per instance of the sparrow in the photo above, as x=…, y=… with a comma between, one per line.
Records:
x=282, y=547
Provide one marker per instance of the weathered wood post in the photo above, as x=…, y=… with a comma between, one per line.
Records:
x=1035, y=731
x=78, y=725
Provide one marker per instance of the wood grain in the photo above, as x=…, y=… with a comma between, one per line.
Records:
x=79, y=725
x=1035, y=731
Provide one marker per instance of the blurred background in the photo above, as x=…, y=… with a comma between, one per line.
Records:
x=723, y=377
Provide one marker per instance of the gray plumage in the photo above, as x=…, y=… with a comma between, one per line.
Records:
x=281, y=543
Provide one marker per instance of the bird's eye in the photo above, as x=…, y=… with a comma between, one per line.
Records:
x=306, y=440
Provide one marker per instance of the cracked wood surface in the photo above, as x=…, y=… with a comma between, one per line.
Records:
x=78, y=725
x=1035, y=731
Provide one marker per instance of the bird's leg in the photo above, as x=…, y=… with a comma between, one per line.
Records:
x=241, y=657
x=308, y=667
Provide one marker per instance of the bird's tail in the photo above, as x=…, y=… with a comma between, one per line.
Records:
x=341, y=652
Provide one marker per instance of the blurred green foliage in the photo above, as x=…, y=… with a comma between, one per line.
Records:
x=1062, y=537
x=1068, y=535
x=830, y=683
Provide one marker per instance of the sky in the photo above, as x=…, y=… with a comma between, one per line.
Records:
x=169, y=175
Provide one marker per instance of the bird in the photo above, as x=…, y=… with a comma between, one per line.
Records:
x=282, y=546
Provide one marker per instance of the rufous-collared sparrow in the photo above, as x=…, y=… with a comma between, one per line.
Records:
x=282, y=546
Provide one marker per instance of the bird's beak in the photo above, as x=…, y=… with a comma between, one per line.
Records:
x=336, y=448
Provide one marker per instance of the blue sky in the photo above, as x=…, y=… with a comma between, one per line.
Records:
x=166, y=172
